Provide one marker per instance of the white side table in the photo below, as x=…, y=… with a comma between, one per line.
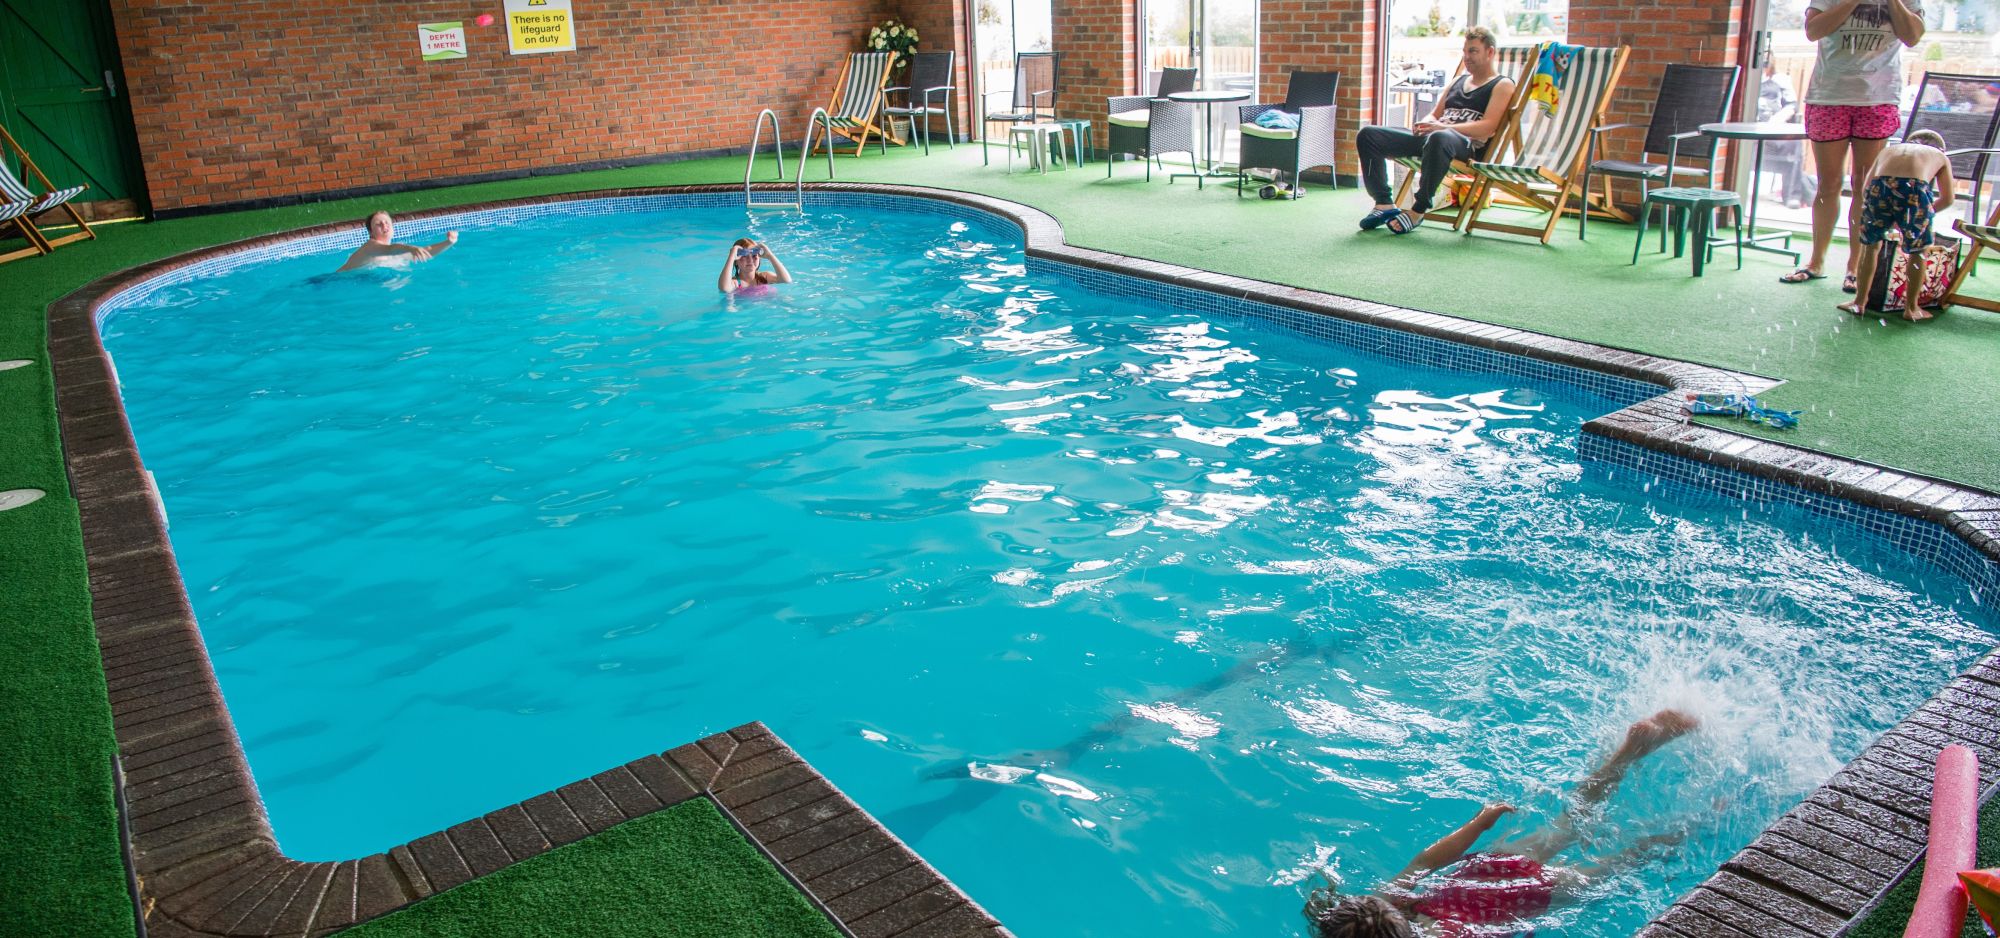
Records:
x=1040, y=136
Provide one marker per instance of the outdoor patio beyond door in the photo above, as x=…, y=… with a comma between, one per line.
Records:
x=1218, y=37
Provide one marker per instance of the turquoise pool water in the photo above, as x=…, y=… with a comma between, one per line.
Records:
x=1131, y=620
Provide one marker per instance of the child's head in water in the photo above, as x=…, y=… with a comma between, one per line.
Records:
x=747, y=261
x=1356, y=917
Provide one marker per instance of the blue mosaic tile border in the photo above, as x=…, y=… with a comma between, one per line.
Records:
x=1395, y=344
x=1918, y=537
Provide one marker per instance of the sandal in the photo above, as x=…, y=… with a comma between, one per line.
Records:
x=1801, y=275
x=1847, y=283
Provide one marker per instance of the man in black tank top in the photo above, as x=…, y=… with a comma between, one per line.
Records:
x=1465, y=119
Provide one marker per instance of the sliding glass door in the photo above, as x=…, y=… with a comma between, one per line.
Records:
x=1002, y=28
x=1423, y=38
x=1219, y=37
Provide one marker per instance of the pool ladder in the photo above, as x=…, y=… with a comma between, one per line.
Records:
x=818, y=119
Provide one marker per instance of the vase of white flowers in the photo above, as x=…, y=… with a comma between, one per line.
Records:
x=893, y=36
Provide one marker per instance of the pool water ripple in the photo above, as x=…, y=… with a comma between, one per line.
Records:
x=1130, y=619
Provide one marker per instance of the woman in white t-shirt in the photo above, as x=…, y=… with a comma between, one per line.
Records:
x=1852, y=105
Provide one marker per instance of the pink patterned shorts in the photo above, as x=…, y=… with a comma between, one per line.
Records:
x=1829, y=122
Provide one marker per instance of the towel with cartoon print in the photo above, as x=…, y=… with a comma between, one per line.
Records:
x=1551, y=74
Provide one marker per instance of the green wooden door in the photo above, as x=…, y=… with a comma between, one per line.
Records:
x=62, y=96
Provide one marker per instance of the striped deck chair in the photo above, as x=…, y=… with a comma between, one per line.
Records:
x=1984, y=238
x=856, y=110
x=1547, y=164
x=1517, y=62
x=19, y=204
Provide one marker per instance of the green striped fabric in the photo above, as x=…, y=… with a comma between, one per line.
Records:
x=863, y=93
x=1552, y=141
x=1511, y=61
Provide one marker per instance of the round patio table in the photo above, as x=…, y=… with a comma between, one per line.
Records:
x=1207, y=100
x=1758, y=132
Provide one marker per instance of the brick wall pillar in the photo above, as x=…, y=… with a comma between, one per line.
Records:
x=1323, y=35
x=1099, y=44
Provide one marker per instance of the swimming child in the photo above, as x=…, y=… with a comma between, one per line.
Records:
x=382, y=249
x=1899, y=197
x=741, y=270
x=1447, y=892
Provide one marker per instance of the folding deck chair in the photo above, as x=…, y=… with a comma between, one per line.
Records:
x=856, y=109
x=1984, y=238
x=19, y=204
x=1517, y=62
x=1547, y=164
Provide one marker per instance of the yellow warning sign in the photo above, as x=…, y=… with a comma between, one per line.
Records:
x=540, y=26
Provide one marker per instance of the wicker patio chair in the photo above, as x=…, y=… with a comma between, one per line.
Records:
x=1310, y=96
x=1149, y=125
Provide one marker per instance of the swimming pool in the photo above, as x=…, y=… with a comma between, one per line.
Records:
x=1126, y=617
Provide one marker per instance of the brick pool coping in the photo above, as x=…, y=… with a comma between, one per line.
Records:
x=207, y=863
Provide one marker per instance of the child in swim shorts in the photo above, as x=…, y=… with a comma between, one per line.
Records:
x=1910, y=183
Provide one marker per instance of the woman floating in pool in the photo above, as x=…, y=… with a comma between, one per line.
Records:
x=381, y=247
x=1447, y=893
x=740, y=271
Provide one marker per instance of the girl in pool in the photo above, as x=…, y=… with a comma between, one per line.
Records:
x=741, y=271
x=1447, y=893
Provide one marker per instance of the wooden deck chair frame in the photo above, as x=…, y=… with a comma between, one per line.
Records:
x=1461, y=177
x=1986, y=237
x=39, y=243
x=872, y=122
x=1565, y=179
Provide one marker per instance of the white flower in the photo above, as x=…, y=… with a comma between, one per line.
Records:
x=875, y=34
x=895, y=30
x=913, y=35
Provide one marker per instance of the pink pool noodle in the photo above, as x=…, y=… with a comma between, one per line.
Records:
x=1940, y=910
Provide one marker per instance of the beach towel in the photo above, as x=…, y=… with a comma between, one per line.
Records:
x=1551, y=73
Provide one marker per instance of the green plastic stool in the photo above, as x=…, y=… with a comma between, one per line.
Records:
x=1682, y=205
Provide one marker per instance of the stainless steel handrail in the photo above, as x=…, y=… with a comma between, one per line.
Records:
x=777, y=150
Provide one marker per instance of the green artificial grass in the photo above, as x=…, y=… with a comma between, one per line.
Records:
x=1920, y=398
x=683, y=871
x=1889, y=917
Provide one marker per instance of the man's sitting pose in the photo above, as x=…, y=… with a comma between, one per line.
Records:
x=1466, y=117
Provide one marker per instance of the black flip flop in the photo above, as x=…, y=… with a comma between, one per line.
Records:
x=1801, y=275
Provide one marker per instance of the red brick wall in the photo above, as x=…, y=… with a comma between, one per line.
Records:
x=1099, y=44
x=256, y=99
x=1322, y=35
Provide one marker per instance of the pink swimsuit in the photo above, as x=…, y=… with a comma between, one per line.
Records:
x=1486, y=894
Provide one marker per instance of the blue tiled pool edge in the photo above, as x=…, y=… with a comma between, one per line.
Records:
x=1811, y=872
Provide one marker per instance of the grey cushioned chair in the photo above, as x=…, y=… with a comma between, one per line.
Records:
x=1689, y=96
x=1149, y=125
x=927, y=95
x=1310, y=95
x=1034, y=97
x=1962, y=110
